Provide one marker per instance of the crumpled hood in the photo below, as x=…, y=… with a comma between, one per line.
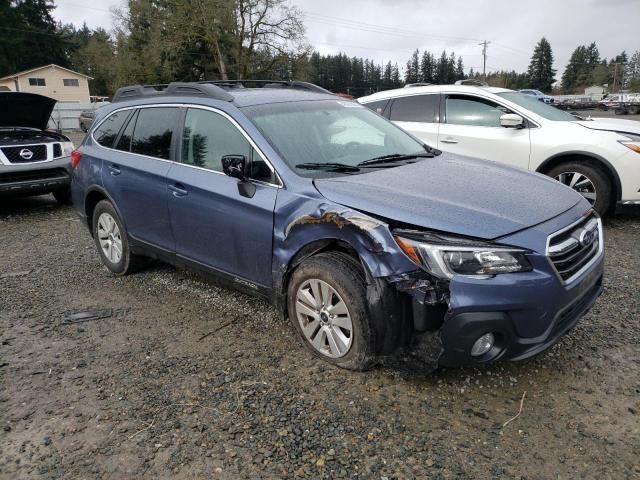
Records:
x=613, y=124
x=21, y=109
x=454, y=194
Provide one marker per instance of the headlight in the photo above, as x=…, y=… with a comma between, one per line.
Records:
x=632, y=142
x=445, y=256
x=67, y=148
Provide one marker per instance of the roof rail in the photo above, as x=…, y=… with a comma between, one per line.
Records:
x=294, y=84
x=472, y=82
x=175, y=88
x=417, y=84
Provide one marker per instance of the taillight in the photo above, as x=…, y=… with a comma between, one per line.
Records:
x=76, y=156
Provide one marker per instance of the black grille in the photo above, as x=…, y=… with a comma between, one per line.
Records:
x=57, y=150
x=571, y=251
x=38, y=153
x=31, y=175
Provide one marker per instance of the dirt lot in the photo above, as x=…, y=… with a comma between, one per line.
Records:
x=146, y=394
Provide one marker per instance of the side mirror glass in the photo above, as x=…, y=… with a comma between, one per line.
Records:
x=511, y=120
x=235, y=166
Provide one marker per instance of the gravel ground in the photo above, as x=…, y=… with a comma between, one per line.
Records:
x=147, y=393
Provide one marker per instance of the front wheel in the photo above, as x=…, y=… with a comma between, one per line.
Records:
x=588, y=180
x=327, y=306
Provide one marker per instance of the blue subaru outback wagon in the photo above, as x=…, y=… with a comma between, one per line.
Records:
x=366, y=239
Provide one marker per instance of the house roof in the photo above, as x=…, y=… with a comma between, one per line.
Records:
x=51, y=65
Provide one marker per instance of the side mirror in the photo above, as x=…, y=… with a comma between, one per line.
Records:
x=235, y=166
x=511, y=120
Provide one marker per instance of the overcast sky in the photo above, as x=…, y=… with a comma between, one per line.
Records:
x=391, y=29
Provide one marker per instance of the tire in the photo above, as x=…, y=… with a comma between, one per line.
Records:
x=63, y=197
x=125, y=262
x=594, y=174
x=83, y=128
x=345, y=277
x=634, y=110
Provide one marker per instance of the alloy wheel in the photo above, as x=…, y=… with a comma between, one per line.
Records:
x=324, y=318
x=109, y=237
x=580, y=183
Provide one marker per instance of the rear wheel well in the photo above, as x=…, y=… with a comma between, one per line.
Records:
x=90, y=204
x=593, y=161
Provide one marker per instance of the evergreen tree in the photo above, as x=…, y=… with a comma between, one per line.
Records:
x=442, y=69
x=395, y=76
x=426, y=67
x=541, y=72
x=412, y=74
x=459, y=69
x=29, y=36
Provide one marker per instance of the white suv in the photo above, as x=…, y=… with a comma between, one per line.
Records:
x=598, y=158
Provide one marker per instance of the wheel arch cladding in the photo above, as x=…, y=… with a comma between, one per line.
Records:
x=592, y=158
x=92, y=199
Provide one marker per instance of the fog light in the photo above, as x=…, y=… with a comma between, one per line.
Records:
x=483, y=345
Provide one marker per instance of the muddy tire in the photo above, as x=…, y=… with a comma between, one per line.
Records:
x=326, y=303
x=112, y=241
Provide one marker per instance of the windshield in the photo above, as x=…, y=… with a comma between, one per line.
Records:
x=538, y=107
x=329, y=132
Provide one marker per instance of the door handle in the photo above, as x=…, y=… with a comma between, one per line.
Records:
x=449, y=140
x=114, y=170
x=178, y=190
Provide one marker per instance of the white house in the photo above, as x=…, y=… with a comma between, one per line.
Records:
x=53, y=81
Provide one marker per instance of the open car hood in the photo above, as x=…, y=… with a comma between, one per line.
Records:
x=454, y=194
x=20, y=109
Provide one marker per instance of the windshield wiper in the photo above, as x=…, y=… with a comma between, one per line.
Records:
x=394, y=157
x=328, y=166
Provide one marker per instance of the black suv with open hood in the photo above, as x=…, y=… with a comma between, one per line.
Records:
x=33, y=160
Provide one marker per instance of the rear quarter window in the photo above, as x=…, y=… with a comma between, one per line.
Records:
x=416, y=108
x=378, y=106
x=108, y=130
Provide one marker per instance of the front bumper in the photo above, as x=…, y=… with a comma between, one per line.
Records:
x=35, y=179
x=527, y=312
x=459, y=332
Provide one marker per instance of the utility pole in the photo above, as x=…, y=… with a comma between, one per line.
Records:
x=484, y=59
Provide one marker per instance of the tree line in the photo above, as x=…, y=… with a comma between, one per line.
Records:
x=158, y=41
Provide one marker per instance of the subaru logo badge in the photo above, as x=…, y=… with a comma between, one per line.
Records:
x=587, y=237
x=26, y=154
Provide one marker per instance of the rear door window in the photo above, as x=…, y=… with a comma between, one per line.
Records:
x=416, y=108
x=153, y=132
x=108, y=130
x=378, y=106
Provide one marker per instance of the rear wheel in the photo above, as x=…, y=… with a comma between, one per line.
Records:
x=588, y=180
x=634, y=110
x=327, y=306
x=112, y=242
